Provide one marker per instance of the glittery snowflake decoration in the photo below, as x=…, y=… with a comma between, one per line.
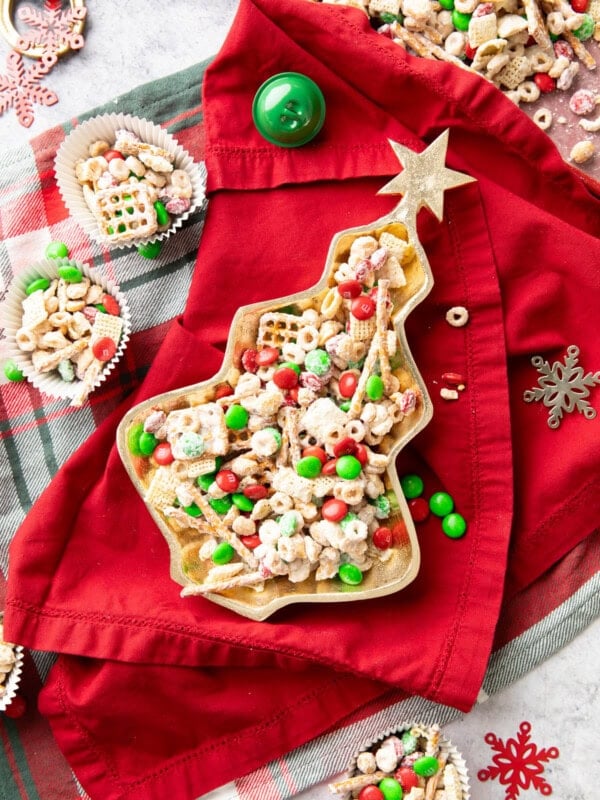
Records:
x=563, y=387
x=54, y=30
x=20, y=87
x=518, y=764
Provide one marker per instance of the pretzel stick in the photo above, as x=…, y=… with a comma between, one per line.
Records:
x=382, y=324
x=247, y=579
x=421, y=48
x=214, y=520
x=432, y=783
x=579, y=49
x=536, y=26
x=357, y=782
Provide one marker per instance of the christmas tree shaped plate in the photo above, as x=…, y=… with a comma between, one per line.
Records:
x=274, y=481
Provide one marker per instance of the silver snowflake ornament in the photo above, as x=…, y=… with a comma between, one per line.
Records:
x=563, y=387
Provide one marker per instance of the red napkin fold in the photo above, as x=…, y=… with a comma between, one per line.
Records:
x=519, y=249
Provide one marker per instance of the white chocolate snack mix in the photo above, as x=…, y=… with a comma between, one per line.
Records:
x=8, y=659
x=415, y=762
x=132, y=188
x=278, y=472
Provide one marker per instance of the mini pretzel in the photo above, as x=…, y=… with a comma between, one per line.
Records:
x=357, y=782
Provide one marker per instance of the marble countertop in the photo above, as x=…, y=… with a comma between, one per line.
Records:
x=125, y=47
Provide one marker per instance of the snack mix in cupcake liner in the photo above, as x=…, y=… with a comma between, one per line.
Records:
x=411, y=762
x=127, y=181
x=67, y=327
x=11, y=664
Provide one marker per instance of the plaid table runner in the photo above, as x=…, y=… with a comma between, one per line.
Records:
x=39, y=433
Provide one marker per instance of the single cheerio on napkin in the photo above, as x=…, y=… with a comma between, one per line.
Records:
x=126, y=181
x=67, y=327
x=413, y=761
x=11, y=665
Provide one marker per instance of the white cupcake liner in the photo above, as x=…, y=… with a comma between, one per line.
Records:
x=445, y=745
x=13, y=678
x=75, y=147
x=50, y=382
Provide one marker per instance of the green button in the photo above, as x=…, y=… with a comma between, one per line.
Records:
x=288, y=109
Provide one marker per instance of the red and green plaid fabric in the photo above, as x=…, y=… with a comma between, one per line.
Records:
x=39, y=433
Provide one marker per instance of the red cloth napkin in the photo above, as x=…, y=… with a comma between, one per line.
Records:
x=182, y=695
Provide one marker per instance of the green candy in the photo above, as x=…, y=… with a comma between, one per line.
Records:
x=288, y=523
x=162, y=215
x=223, y=553
x=242, y=502
x=412, y=486
x=348, y=467
x=66, y=370
x=586, y=29
x=374, y=387
x=192, y=444
x=391, y=789
x=290, y=365
x=236, y=417
x=149, y=250
x=454, y=525
x=345, y=521
x=57, y=250
x=101, y=308
x=147, y=443
x=133, y=439
x=409, y=742
x=205, y=481
x=193, y=510
x=275, y=434
x=393, y=500
x=426, y=766
x=441, y=504
x=309, y=467
x=350, y=574
x=36, y=285
x=345, y=406
x=317, y=361
x=221, y=504
x=383, y=507
x=460, y=21
x=12, y=371
x=447, y=4
x=70, y=273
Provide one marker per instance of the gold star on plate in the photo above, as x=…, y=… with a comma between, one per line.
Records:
x=424, y=177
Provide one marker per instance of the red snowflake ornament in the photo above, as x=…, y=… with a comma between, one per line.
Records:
x=20, y=87
x=53, y=28
x=518, y=763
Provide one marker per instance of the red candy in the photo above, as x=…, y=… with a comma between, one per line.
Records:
x=110, y=154
x=347, y=383
x=329, y=467
x=544, y=82
x=227, y=480
x=371, y=792
x=162, y=454
x=407, y=778
x=345, y=447
x=255, y=491
x=251, y=542
x=249, y=360
x=350, y=289
x=382, y=538
x=111, y=305
x=266, y=356
x=224, y=390
x=579, y=6
x=363, y=307
x=334, y=510
x=563, y=48
x=104, y=348
x=285, y=378
x=419, y=509
x=361, y=453
x=318, y=452
x=470, y=51
x=399, y=533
